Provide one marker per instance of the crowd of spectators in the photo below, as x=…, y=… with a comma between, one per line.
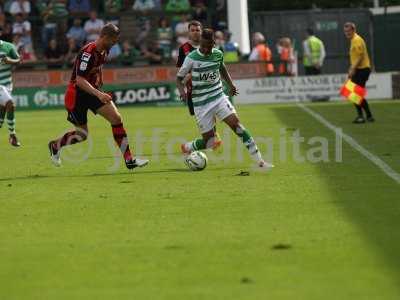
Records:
x=51, y=32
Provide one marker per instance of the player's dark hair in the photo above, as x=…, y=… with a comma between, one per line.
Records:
x=310, y=31
x=110, y=30
x=194, y=23
x=208, y=34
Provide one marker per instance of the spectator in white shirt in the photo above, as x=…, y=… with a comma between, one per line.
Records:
x=23, y=28
x=182, y=30
x=20, y=7
x=93, y=27
x=77, y=32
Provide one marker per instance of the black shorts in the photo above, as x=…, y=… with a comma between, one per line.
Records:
x=361, y=76
x=83, y=102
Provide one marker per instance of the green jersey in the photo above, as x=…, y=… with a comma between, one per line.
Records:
x=7, y=49
x=206, y=78
x=53, y=10
x=176, y=6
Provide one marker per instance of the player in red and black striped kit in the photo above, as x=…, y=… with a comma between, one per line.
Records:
x=83, y=93
x=195, y=29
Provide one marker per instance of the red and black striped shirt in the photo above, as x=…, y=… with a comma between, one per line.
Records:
x=184, y=50
x=88, y=64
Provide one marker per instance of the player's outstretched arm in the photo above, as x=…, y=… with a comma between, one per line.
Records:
x=181, y=88
x=11, y=61
x=228, y=79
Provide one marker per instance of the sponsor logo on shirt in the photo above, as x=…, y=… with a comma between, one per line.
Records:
x=83, y=66
x=86, y=56
x=210, y=76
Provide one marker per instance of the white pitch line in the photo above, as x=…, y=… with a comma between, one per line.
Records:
x=353, y=143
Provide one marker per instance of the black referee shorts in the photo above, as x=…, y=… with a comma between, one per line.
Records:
x=361, y=76
x=83, y=102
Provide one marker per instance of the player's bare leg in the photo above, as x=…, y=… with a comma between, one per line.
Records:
x=234, y=123
x=10, y=119
x=110, y=112
x=217, y=140
x=78, y=135
x=207, y=141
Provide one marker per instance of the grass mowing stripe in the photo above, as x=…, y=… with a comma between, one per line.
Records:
x=354, y=144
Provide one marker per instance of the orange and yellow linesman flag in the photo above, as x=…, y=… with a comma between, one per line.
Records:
x=353, y=92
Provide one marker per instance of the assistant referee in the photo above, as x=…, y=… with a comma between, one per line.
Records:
x=360, y=69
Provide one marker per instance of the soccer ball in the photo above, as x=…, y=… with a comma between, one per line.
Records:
x=196, y=161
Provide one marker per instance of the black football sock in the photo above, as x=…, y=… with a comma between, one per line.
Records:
x=365, y=106
x=359, y=111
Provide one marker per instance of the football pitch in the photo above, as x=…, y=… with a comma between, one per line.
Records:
x=323, y=224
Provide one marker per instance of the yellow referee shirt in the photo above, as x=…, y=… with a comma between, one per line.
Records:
x=358, y=49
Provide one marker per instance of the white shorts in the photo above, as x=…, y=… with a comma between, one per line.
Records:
x=206, y=114
x=5, y=95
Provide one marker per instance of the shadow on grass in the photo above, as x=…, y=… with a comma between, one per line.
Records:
x=133, y=172
x=162, y=154
x=370, y=202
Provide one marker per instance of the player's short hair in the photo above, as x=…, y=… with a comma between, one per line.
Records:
x=208, y=34
x=350, y=25
x=194, y=23
x=110, y=30
x=310, y=31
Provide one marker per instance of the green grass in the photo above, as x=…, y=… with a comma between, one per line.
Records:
x=303, y=231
